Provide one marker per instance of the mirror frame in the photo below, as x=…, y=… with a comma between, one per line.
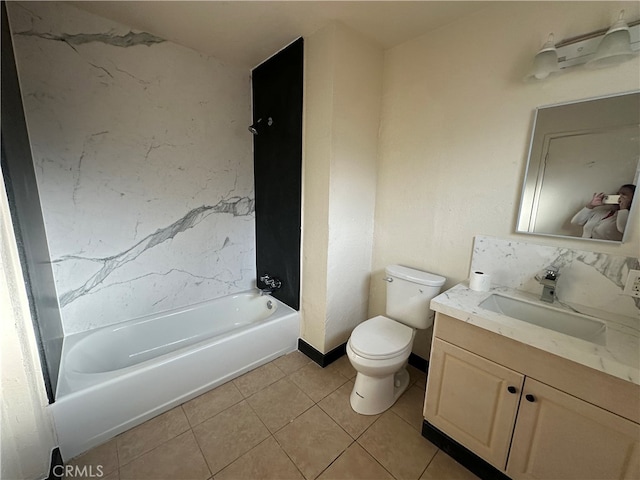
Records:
x=534, y=171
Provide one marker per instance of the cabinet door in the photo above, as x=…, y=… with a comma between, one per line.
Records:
x=560, y=436
x=473, y=400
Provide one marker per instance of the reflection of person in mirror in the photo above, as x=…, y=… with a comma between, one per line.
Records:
x=604, y=221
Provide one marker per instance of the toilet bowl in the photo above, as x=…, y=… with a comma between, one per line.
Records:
x=379, y=348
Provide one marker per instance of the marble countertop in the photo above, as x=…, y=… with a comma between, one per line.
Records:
x=620, y=357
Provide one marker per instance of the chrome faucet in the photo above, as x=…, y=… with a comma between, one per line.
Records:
x=272, y=284
x=548, y=279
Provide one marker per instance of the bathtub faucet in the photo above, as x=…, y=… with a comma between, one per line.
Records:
x=272, y=284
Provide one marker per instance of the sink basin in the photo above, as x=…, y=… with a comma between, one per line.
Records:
x=569, y=323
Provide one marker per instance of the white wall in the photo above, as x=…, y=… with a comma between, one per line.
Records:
x=343, y=88
x=143, y=161
x=26, y=427
x=456, y=122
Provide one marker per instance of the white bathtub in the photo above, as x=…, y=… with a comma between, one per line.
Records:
x=116, y=377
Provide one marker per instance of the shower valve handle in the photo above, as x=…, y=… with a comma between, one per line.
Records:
x=270, y=282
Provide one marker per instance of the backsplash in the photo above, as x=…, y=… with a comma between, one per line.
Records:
x=143, y=162
x=587, y=278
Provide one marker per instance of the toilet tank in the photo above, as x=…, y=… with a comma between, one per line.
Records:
x=409, y=292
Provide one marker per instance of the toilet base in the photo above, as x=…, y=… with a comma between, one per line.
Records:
x=374, y=395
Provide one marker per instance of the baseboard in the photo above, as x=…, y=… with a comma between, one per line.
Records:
x=419, y=362
x=461, y=454
x=322, y=359
x=56, y=468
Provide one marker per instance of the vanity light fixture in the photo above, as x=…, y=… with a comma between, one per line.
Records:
x=545, y=62
x=602, y=48
x=615, y=47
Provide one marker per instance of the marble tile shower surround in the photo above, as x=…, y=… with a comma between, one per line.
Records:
x=591, y=279
x=143, y=162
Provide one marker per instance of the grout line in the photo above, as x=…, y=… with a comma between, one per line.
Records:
x=296, y=386
x=135, y=457
x=189, y=430
x=378, y=461
x=256, y=414
x=430, y=462
x=218, y=413
x=288, y=456
x=206, y=462
x=336, y=459
x=117, y=457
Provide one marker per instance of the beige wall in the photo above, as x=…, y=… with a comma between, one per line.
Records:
x=318, y=84
x=27, y=434
x=456, y=122
x=343, y=91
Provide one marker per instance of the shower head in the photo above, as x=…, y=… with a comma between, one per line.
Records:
x=256, y=127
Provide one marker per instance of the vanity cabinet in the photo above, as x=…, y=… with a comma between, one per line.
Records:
x=559, y=436
x=520, y=409
x=473, y=400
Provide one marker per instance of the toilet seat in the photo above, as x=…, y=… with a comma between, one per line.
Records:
x=381, y=338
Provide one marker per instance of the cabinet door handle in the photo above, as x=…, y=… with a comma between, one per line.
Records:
x=530, y=398
x=512, y=389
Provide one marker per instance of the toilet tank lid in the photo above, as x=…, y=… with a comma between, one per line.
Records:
x=413, y=275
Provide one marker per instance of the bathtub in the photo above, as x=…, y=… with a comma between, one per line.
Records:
x=116, y=377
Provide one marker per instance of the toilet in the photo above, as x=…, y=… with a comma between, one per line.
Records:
x=378, y=348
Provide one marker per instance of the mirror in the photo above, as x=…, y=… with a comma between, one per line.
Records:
x=578, y=149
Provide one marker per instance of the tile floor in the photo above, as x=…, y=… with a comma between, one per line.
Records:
x=289, y=419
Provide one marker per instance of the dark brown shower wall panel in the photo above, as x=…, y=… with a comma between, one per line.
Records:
x=277, y=87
